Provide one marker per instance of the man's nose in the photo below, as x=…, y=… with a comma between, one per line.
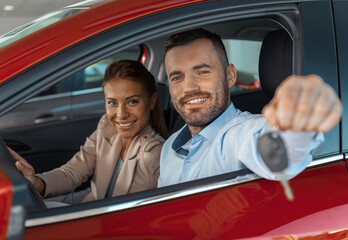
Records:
x=191, y=84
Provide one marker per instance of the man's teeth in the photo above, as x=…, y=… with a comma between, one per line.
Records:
x=126, y=124
x=197, y=100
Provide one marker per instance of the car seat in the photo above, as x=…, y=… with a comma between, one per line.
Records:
x=275, y=62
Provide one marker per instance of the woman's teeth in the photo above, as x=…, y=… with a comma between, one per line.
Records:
x=197, y=100
x=125, y=124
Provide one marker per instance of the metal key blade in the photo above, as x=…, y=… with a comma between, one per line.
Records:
x=287, y=189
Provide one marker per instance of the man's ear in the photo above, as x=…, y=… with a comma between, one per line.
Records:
x=153, y=101
x=231, y=73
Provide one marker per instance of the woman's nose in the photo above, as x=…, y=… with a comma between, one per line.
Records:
x=122, y=112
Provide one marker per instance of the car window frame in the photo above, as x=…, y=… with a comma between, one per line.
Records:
x=341, y=33
x=323, y=30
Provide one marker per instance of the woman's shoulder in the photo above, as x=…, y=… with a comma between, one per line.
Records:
x=103, y=122
x=146, y=147
x=150, y=150
x=149, y=140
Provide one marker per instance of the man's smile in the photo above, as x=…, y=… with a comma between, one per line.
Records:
x=196, y=100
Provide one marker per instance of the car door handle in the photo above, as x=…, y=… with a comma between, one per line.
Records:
x=17, y=145
x=50, y=118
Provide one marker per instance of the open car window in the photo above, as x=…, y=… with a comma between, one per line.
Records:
x=248, y=76
x=89, y=78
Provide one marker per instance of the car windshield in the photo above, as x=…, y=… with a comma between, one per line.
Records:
x=36, y=25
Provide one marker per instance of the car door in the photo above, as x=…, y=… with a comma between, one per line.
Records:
x=34, y=128
x=232, y=205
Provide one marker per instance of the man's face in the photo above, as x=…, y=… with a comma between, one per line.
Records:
x=198, y=84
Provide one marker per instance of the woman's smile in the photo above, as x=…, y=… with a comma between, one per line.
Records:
x=125, y=125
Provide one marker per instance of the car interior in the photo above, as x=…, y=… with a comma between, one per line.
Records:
x=271, y=51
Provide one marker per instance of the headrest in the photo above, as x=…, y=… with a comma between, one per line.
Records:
x=275, y=63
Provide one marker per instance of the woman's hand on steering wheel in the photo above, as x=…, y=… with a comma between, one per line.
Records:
x=28, y=172
x=23, y=166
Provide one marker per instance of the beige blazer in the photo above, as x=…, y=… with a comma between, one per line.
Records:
x=98, y=157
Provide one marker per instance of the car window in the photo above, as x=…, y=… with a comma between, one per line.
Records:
x=94, y=74
x=56, y=103
x=91, y=76
x=244, y=55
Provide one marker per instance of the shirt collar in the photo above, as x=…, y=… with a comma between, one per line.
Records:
x=209, y=132
x=183, y=137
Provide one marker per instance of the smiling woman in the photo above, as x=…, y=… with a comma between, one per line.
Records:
x=123, y=153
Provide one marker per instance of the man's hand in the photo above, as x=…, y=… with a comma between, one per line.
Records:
x=304, y=103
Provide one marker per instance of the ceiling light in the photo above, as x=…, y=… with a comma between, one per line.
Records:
x=8, y=8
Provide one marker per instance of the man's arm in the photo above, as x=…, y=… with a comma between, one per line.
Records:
x=302, y=109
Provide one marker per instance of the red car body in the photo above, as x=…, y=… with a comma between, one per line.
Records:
x=212, y=209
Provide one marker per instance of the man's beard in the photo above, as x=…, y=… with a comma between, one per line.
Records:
x=203, y=117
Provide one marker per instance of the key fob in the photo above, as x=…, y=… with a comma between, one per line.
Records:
x=273, y=151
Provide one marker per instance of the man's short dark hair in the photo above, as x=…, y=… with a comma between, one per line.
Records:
x=184, y=38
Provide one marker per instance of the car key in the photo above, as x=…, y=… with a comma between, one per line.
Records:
x=273, y=152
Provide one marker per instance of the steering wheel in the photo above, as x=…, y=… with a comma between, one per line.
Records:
x=8, y=166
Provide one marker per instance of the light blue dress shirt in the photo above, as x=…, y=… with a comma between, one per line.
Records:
x=229, y=144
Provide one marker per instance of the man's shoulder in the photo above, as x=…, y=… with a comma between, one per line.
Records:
x=242, y=119
x=245, y=115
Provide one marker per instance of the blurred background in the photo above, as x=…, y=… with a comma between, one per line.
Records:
x=15, y=13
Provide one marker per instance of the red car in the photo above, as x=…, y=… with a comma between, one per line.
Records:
x=35, y=67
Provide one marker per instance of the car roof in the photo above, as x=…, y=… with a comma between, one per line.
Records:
x=26, y=52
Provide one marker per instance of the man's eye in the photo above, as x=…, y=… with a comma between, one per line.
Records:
x=176, y=78
x=203, y=72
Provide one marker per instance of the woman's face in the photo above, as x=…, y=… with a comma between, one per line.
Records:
x=127, y=106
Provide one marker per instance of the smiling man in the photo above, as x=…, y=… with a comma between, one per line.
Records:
x=217, y=137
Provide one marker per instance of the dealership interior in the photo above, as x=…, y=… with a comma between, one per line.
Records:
x=15, y=13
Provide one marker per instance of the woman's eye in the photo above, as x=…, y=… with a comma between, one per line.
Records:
x=132, y=102
x=112, y=103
